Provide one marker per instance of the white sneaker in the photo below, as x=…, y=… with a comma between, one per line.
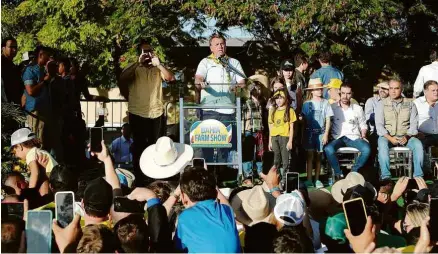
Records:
x=318, y=184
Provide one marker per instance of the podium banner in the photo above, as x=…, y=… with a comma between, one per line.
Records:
x=210, y=134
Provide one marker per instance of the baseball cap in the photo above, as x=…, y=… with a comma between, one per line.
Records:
x=287, y=65
x=289, y=209
x=98, y=196
x=21, y=135
x=125, y=177
x=334, y=227
x=334, y=83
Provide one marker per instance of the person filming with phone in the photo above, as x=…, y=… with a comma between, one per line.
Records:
x=140, y=83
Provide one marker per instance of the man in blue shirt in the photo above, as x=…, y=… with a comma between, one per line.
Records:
x=207, y=224
x=326, y=72
x=121, y=146
x=36, y=91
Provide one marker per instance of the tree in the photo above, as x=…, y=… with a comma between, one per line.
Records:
x=99, y=33
x=363, y=35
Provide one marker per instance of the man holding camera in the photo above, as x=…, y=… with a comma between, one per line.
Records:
x=140, y=83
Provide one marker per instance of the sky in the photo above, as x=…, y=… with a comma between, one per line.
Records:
x=233, y=32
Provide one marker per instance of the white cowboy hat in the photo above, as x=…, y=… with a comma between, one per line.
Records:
x=165, y=158
x=253, y=206
x=340, y=187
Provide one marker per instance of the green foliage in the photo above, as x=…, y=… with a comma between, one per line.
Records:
x=364, y=35
x=96, y=32
x=12, y=118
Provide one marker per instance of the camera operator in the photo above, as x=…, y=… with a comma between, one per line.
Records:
x=140, y=84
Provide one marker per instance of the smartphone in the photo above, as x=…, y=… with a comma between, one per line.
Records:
x=148, y=56
x=433, y=223
x=125, y=205
x=39, y=231
x=268, y=161
x=198, y=162
x=412, y=184
x=64, y=209
x=96, y=137
x=292, y=181
x=12, y=209
x=356, y=215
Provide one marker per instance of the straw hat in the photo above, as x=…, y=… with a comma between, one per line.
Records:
x=315, y=83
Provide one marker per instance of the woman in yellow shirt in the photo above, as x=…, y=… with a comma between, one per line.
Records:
x=281, y=130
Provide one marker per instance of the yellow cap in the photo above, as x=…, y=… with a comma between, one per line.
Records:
x=334, y=83
x=279, y=93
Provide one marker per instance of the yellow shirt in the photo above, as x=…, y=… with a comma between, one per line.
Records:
x=146, y=93
x=32, y=154
x=278, y=127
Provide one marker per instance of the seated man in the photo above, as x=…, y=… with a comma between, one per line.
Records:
x=396, y=119
x=371, y=105
x=427, y=107
x=349, y=129
x=381, y=92
x=334, y=91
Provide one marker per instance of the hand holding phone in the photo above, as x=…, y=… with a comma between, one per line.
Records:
x=126, y=205
x=363, y=242
x=96, y=137
x=39, y=231
x=64, y=209
x=356, y=215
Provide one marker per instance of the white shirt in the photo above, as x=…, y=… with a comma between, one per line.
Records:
x=219, y=79
x=348, y=122
x=427, y=116
x=426, y=73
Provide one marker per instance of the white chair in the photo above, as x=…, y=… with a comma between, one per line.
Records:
x=401, y=161
x=431, y=159
x=347, y=156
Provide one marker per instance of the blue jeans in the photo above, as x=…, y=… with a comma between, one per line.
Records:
x=359, y=144
x=417, y=151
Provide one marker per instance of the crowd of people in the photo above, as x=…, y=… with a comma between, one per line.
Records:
x=305, y=111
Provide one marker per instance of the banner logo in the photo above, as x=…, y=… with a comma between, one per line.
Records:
x=210, y=133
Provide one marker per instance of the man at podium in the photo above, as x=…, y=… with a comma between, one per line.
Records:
x=216, y=82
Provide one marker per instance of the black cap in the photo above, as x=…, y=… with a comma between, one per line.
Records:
x=287, y=65
x=98, y=196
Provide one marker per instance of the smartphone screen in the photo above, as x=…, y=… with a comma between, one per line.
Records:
x=292, y=181
x=64, y=210
x=125, y=205
x=96, y=136
x=356, y=215
x=433, y=223
x=39, y=231
x=198, y=162
x=13, y=209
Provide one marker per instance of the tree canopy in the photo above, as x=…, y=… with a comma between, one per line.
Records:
x=363, y=35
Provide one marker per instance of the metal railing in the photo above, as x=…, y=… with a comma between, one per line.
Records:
x=115, y=112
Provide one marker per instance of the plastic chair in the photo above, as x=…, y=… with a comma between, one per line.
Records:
x=401, y=161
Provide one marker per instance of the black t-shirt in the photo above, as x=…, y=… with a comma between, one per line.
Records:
x=13, y=85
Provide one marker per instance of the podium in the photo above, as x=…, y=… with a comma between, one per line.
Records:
x=202, y=126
